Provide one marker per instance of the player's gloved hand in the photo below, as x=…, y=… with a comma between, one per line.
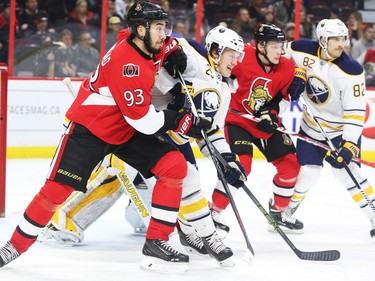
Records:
x=177, y=60
x=178, y=95
x=298, y=84
x=269, y=120
x=346, y=152
x=190, y=125
x=235, y=175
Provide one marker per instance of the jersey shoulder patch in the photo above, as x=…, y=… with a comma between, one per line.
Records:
x=305, y=46
x=198, y=47
x=348, y=65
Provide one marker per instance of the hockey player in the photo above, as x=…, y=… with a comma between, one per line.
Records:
x=206, y=71
x=265, y=78
x=335, y=94
x=113, y=114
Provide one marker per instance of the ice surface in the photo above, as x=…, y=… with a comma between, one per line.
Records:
x=111, y=251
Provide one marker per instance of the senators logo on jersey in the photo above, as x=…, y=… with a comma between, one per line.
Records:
x=130, y=70
x=259, y=95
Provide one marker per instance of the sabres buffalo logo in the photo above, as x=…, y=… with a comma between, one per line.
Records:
x=207, y=101
x=317, y=90
x=259, y=95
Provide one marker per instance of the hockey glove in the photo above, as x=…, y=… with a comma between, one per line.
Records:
x=177, y=60
x=190, y=125
x=235, y=175
x=346, y=152
x=269, y=120
x=178, y=95
x=298, y=84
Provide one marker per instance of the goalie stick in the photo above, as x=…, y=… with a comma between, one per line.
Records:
x=329, y=255
x=335, y=152
x=189, y=106
x=309, y=140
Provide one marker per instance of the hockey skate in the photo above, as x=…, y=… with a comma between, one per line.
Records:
x=7, y=254
x=160, y=256
x=192, y=242
x=217, y=249
x=285, y=221
x=219, y=223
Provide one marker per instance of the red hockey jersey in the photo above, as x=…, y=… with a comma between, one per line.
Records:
x=116, y=100
x=257, y=89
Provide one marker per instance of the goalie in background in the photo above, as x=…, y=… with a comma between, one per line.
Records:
x=207, y=72
x=335, y=92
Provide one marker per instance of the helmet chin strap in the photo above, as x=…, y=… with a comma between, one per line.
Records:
x=265, y=54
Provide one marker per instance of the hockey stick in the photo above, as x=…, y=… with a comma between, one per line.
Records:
x=189, y=105
x=68, y=83
x=309, y=140
x=329, y=255
x=335, y=152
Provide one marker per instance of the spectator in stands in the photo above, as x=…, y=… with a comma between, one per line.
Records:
x=255, y=11
x=84, y=55
x=369, y=67
x=111, y=10
x=55, y=60
x=4, y=31
x=42, y=36
x=307, y=27
x=244, y=25
x=269, y=16
x=367, y=42
x=289, y=30
x=179, y=29
x=81, y=19
x=29, y=16
x=335, y=12
x=114, y=26
x=283, y=10
x=355, y=26
x=122, y=7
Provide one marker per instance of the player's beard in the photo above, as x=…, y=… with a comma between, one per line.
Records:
x=149, y=48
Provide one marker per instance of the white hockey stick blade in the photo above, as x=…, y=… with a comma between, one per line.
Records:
x=248, y=257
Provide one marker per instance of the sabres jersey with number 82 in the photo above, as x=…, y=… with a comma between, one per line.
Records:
x=335, y=92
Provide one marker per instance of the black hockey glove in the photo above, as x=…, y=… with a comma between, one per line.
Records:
x=347, y=151
x=235, y=175
x=177, y=60
x=178, y=95
x=298, y=84
x=269, y=122
x=189, y=125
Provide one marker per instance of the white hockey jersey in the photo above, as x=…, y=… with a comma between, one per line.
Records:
x=335, y=92
x=211, y=93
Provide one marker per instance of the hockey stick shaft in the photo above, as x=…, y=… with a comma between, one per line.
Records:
x=189, y=105
x=329, y=255
x=309, y=140
x=68, y=83
x=335, y=152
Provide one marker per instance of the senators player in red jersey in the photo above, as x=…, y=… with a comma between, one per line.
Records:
x=113, y=114
x=264, y=79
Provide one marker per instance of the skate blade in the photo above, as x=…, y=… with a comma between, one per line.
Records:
x=285, y=230
x=158, y=265
x=229, y=262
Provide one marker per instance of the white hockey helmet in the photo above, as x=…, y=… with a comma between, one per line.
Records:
x=331, y=28
x=225, y=38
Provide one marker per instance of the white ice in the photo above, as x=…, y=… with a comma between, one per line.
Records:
x=111, y=251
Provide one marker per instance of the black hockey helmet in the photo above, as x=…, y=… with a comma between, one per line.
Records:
x=143, y=13
x=269, y=32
